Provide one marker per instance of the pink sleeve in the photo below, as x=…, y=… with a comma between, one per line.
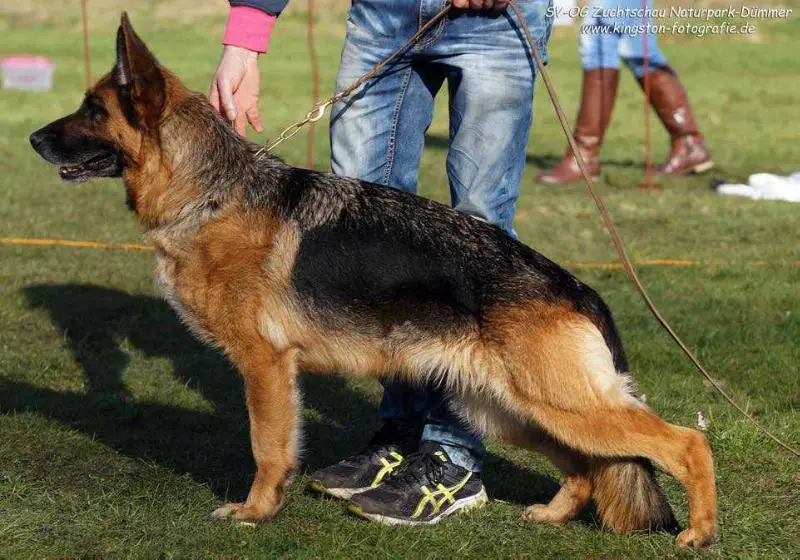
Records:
x=249, y=28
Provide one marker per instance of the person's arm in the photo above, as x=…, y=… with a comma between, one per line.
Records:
x=249, y=28
x=235, y=86
x=234, y=89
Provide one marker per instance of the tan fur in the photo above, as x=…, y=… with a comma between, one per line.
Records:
x=575, y=491
x=627, y=497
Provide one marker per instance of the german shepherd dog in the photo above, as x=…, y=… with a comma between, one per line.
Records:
x=287, y=269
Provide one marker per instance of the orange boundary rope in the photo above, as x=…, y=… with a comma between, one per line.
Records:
x=74, y=244
x=581, y=265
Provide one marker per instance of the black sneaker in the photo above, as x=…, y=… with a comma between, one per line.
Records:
x=368, y=468
x=426, y=487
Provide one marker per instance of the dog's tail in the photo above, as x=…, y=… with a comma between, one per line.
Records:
x=628, y=497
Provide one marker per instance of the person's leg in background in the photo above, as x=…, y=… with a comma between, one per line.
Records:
x=490, y=81
x=490, y=78
x=599, y=48
x=377, y=135
x=670, y=100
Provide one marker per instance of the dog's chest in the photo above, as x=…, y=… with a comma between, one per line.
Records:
x=168, y=284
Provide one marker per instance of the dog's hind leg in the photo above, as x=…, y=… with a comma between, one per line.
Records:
x=564, y=380
x=273, y=407
x=629, y=432
x=576, y=487
x=575, y=491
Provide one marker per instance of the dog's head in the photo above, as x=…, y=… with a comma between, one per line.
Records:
x=120, y=116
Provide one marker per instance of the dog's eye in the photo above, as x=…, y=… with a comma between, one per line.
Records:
x=93, y=109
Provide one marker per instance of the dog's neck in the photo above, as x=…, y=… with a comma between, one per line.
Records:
x=201, y=167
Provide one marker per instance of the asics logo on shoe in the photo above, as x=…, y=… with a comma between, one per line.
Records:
x=432, y=498
x=389, y=465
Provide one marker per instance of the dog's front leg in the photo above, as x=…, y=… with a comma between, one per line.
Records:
x=273, y=406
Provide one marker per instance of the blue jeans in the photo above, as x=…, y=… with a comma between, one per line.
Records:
x=617, y=40
x=378, y=135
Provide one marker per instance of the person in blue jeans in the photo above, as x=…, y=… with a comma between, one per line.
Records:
x=610, y=31
x=424, y=462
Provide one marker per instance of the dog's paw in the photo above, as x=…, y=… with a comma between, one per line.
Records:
x=696, y=538
x=540, y=513
x=239, y=511
x=227, y=511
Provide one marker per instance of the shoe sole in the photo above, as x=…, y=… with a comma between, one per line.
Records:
x=338, y=493
x=463, y=505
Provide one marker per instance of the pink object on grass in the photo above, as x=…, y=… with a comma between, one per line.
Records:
x=30, y=73
x=249, y=28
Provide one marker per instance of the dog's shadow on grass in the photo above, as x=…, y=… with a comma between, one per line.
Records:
x=212, y=447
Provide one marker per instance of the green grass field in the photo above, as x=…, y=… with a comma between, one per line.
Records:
x=119, y=434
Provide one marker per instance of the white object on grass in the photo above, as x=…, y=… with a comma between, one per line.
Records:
x=766, y=186
x=28, y=73
x=702, y=422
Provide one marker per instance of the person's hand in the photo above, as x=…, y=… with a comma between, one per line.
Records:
x=234, y=90
x=483, y=5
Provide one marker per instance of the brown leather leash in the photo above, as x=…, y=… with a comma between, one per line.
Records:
x=319, y=110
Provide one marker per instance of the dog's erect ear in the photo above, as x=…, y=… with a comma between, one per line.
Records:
x=138, y=78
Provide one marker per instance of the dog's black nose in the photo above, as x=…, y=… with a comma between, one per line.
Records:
x=36, y=139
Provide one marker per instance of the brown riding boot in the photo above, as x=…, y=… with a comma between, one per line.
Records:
x=668, y=97
x=597, y=100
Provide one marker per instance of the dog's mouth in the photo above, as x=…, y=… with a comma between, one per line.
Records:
x=107, y=164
